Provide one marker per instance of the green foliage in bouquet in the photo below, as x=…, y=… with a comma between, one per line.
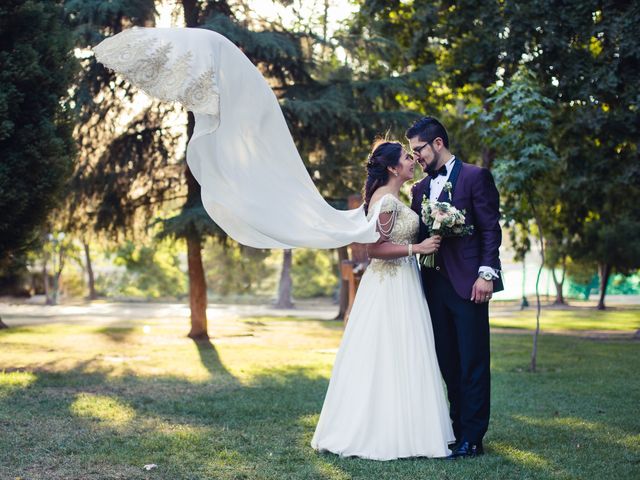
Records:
x=444, y=219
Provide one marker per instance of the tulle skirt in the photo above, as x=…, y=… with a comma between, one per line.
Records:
x=386, y=397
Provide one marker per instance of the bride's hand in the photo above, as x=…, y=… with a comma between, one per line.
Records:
x=428, y=246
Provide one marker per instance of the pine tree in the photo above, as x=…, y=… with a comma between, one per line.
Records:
x=36, y=143
x=127, y=167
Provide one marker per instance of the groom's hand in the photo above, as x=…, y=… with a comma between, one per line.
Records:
x=482, y=290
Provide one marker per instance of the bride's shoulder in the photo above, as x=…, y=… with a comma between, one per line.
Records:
x=387, y=200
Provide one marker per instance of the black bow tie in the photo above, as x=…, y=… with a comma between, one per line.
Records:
x=441, y=171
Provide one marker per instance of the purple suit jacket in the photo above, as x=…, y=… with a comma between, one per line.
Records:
x=474, y=191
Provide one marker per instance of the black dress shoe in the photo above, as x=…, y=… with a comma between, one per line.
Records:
x=466, y=449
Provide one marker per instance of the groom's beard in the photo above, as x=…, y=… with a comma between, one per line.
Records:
x=431, y=168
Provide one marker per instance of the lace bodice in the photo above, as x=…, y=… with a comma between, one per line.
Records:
x=404, y=230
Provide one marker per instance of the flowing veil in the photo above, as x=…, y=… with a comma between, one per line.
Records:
x=254, y=183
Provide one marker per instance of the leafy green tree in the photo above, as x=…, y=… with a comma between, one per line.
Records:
x=590, y=63
x=584, y=57
x=128, y=162
x=314, y=274
x=517, y=127
x=152, y=271
x=233, y=269
x=36, y=142
x=610, y=241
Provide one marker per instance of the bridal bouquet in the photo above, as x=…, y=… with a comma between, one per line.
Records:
x=445, y=220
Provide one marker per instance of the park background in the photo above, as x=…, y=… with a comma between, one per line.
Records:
x=108, y=260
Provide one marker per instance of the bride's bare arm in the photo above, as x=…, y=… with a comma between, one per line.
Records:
x=385, y=249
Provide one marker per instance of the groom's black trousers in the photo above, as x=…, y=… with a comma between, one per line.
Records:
x=461, y=333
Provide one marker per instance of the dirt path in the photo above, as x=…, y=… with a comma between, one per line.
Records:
x=126, y=314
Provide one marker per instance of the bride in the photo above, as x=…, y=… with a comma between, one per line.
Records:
x=385, y=398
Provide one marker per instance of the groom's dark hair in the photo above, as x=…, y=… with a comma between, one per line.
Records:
x=427, y=129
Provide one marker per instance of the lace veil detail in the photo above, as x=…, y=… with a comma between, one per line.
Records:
x=162, y=69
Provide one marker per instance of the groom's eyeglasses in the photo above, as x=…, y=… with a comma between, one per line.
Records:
x=416, y=151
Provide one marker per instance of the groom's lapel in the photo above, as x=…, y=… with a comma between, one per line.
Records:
x=453, y=179
x=427, y=189
x=424, y=231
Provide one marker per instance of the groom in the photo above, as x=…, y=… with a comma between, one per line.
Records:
x=460, y=284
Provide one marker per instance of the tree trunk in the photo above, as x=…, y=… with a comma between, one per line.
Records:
x=197, y=290
x=45, y=280
x=325, y=25
x=197, y=282
x=487, y=157
x=57, y=272
x=284, y=289
x=534, y=350
x=488, y=154
x=3, y=325
x=559, y=283
x=604, y=269
x=524, y=303
x=56, y=289
x=191, y=11
x=343, y=254
x=90, y=277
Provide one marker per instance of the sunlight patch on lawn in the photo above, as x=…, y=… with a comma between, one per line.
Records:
x=604, y=432
x=17, y=379
x=521, y=457
x=309, y=421
x=11, y=381
x=102, y=408
x=569, y=422
x=329, y=470
x=572, y=319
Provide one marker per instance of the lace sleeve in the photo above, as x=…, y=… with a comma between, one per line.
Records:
x=389, y=204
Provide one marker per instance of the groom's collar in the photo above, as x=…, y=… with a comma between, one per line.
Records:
x=453, y=170
x=449, y=164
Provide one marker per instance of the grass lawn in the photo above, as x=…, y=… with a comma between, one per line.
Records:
x=616, y=319
x=96, y=402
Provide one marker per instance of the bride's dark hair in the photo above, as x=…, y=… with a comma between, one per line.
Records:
x=383, y=154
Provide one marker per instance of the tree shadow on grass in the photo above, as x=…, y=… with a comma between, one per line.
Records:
x=210, y=358
x=117, y=334
x=261, y=428
x=114, y=425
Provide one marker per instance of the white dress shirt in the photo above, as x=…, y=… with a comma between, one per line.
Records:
x=437, y=184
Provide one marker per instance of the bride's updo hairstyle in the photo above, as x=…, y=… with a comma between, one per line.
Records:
x=384, y=154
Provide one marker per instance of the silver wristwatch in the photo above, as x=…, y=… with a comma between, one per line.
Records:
x=486, y=276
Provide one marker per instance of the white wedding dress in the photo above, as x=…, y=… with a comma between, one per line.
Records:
x=386, y=397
